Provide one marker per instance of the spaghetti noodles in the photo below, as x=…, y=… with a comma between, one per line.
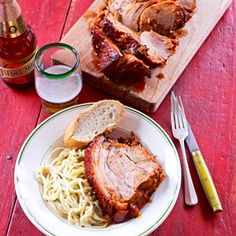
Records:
x=66, y=190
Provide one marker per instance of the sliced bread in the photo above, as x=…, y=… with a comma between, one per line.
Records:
x=101, y=118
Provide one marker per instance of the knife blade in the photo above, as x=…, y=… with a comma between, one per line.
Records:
x=191, y=141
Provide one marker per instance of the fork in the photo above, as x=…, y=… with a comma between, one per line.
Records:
x=180, y=132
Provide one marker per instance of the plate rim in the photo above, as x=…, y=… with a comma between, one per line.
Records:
x=151, y=228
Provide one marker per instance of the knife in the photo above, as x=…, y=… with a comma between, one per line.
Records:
x=202, y=169
x=203, y=172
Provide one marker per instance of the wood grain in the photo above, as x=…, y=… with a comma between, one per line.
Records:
x=26, y=105
x=19, y=224
x=208, y=90
x=21, y=109
x=198, y=28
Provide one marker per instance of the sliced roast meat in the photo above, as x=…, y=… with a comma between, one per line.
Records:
x=107, y=52
x=113, y=63
x=163, y=17
x=129, y=67
x=128, y=41
x=125, y=50
x=158, y=45
x=123, y=175
x=188, y=7
x=129, y=11
x=131, y=15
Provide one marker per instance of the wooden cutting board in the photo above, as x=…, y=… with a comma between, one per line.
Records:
x=198, y=28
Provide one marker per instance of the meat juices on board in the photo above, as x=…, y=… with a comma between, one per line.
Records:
x=137, y=36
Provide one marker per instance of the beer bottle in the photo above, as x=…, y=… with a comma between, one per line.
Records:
x=17, y=46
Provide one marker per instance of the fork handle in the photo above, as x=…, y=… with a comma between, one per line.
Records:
x=189, y=190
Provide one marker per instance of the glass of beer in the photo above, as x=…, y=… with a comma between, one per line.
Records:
x=58, y=76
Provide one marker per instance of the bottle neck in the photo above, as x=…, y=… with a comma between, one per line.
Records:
x=12, y=23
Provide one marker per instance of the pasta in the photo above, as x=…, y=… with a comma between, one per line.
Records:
x=66, y=191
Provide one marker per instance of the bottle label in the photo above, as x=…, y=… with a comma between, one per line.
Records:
x=18, y=71
x=13, y=28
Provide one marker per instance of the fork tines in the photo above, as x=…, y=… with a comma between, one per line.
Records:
x=179, y=127
x=178, y=119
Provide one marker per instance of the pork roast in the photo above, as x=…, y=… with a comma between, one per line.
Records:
x=123, y=175
x=128, y=41
x=107, y=52
x=158, y=45
x=114, y=64
x=129, y=11
x=162, y=16
x=131, y=37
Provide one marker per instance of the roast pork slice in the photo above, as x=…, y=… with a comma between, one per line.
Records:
x=107, y=52
x=188, y=7
x=113, y=63
x=129, y=67
x=117, y=5
x=123, y=175
x=158, y=45
x=128, y=41
x=163, y=17
x=129, y=11
x=131, y=14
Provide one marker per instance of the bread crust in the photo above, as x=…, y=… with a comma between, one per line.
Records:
x=70, y=139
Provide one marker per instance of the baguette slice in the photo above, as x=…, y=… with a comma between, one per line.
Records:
x=101, y=118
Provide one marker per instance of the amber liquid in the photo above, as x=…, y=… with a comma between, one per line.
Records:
x=57, y=94
x=51, y=108
x=16, y=52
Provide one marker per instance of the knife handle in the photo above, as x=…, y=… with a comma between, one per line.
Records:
x=206, y=181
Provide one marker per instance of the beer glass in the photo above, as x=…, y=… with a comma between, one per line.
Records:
x=58, y=77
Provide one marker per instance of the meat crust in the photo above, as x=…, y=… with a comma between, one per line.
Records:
x=123, y=174
x=114, y=64
x=128, y=41
x=131, y=37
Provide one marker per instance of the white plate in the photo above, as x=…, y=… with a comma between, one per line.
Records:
x=49, y=134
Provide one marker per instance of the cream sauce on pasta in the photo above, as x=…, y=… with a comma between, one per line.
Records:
x=66, y=191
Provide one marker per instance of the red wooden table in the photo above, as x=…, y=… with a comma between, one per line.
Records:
x=208, y=90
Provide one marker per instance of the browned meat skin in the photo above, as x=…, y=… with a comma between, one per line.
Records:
x=107, y=52
x=122, y=55
x=123, y=175
x=129, y=67
x=113, y=63
x=128, y=41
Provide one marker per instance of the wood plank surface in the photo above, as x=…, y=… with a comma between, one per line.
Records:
x=26, y=106
x=20, y=225
x=207, y=15
x=21, y=109
x=208, y=90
